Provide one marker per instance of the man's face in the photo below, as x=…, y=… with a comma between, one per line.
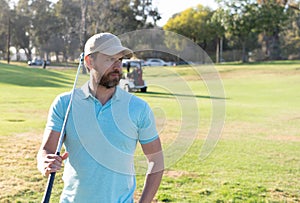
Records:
x=107, y=70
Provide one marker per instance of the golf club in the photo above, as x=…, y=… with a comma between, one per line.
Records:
x=51, y=177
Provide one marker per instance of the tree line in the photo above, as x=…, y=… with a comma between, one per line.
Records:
x=259, y=30
x=63, y=27
x=256, y=30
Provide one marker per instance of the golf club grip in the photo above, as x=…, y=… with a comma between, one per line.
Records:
x=48, y=190
x=47, y=193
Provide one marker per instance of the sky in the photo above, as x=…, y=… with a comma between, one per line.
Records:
x=169, y=7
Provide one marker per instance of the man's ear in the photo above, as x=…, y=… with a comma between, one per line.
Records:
x=89, y=62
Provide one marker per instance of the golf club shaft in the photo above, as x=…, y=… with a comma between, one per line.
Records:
x=51, y=177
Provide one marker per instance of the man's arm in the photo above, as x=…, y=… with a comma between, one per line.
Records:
x=48, y=161
x=154, y=154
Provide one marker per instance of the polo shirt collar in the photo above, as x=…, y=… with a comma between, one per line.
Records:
x=87, y=93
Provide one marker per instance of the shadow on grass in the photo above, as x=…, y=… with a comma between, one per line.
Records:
x=165, y=95
x=34, y=77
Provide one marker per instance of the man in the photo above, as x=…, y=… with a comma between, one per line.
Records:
x=104, y=125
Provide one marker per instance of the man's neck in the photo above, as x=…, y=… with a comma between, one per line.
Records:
x=104, y=94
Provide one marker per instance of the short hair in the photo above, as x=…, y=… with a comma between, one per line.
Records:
x=93, y=56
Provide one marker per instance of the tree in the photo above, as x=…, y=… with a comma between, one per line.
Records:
x=294, y=4
x=217, y=24
x=44, y=24
x=240, y=20
x=272, y=19
x=21, y=28
x=290, y=37
x=119, y=16
x=142, y=10
x=63, y=27
x=83, y=32
x=194, y=24
x=4, y=28
x=68, y=13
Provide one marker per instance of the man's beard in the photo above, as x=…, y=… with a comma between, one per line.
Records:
x=110, y=83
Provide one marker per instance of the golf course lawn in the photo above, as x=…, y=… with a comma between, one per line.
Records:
x=256, y=158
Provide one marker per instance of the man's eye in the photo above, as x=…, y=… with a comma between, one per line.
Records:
x=113, y=60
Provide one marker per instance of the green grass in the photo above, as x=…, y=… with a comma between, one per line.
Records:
x=256, y=159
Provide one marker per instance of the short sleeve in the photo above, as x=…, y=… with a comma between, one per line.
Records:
x=57, y=112
x=147, y=127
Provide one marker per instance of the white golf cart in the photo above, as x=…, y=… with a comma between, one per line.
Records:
x=133, y=77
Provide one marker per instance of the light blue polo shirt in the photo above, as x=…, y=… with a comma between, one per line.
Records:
x=101, y=140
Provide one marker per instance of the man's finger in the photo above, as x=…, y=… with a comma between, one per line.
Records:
x=65, y=155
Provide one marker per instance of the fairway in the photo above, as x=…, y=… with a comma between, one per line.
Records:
x=257, y=158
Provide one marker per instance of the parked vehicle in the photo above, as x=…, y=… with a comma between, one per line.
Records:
x=182, y=62
x=155, y=62
x=133, y=78
x=37, y=62
x=132, y=62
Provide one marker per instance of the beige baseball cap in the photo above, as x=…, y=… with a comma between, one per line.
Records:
x=105, y=43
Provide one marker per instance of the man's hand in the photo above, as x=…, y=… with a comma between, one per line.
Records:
x=47, y=160
x=51, y=163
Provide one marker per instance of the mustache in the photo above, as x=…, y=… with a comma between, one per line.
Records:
x=115, y=71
